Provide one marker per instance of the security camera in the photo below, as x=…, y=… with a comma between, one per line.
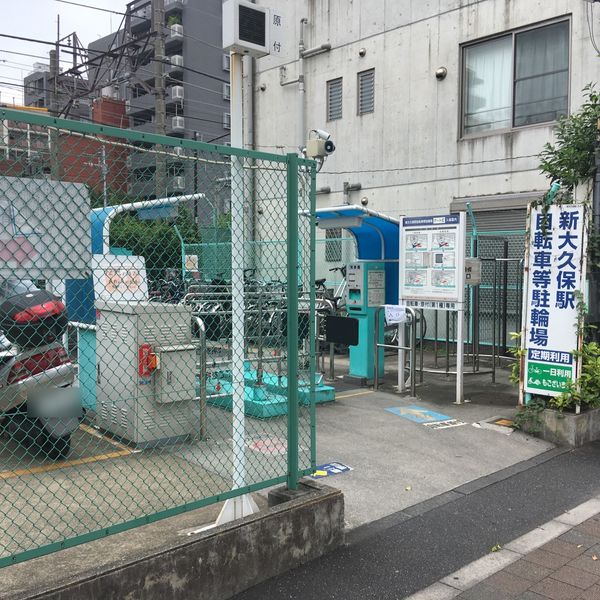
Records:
x=320, y=146
x=364, y=201
x=322, y=135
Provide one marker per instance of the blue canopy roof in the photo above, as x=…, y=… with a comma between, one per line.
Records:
x=377, y=238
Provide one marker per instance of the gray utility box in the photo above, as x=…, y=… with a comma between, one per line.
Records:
x=149, y=408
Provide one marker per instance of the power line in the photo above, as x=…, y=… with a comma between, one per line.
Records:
x=218, y=138
x=116, y=12
x=89, y=50
x=424, y=167
x=141, y=108
x=33, y=55
x=195, y=71
x=22, y=86
x=589, y=14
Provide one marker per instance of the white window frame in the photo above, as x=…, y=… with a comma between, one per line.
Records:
x=226, y=120
x=226, y=91
x=359, y=75
x=511, y=33
x=226, y=62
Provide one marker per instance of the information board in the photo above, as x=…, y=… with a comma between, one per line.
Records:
x=44, y=229
x=555, y=272
x=432, y=254
x=120, y=278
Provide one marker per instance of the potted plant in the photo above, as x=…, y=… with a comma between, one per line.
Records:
x=573, y=417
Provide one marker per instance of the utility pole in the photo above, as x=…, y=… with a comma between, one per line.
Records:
x=54, y=109
x=158, y=25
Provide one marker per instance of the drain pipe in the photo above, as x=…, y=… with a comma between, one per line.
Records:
x=301, y=122
x=300, y=80
x=350, y=187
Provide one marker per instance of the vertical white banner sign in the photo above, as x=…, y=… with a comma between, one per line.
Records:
x=554, y=274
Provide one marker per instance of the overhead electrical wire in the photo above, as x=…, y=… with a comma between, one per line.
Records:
x=589, y=14
x=116, y=12
x=34, y=56
x=20, y=85
x=48, y=43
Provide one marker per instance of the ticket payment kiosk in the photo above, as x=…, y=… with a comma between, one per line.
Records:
x=365, y=292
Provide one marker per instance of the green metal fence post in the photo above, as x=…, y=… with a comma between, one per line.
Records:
x=312, y=318
x=292, y=319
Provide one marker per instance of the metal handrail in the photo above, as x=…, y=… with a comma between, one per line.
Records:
x=412, y=348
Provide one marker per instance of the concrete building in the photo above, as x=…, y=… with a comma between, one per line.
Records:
x=432, y=104
x=38, y=92
x=196, y=81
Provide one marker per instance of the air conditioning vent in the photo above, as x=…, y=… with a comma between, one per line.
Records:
x=176, y=60
x=175, y=32
x=177, y=92
x=178, y=124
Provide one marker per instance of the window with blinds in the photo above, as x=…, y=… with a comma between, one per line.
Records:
x=366, y=91
x=334, y=99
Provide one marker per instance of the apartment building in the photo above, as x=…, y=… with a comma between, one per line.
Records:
x=38, y=86
x=196, y=82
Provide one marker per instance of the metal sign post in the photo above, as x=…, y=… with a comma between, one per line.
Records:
x=240, y=506
x=432, y=272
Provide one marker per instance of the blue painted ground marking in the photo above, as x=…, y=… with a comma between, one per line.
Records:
x=329, y=469
x=418, y=414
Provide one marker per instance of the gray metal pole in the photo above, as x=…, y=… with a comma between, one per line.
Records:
x=54, y=72
x=504, y=317
x=447, y=316
x=413, y=356
x=376, y=349
x=494, y=292
x=331, y=361
x=435, y=339
x=259, y=367
x=422, y=342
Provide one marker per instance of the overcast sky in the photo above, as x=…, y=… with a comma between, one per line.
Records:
x=37, y=19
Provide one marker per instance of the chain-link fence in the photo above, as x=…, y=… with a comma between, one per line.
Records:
x=136, y=382
x=493, y=308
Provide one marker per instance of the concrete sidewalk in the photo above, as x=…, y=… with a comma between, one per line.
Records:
x=559, y=560
x=398, y=459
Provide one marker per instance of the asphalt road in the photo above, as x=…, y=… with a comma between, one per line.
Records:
x=407, y=551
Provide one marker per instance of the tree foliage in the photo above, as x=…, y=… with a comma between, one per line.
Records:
x=570, y=160
x=156, y=240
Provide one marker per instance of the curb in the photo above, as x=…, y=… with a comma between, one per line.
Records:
x=475, y=572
